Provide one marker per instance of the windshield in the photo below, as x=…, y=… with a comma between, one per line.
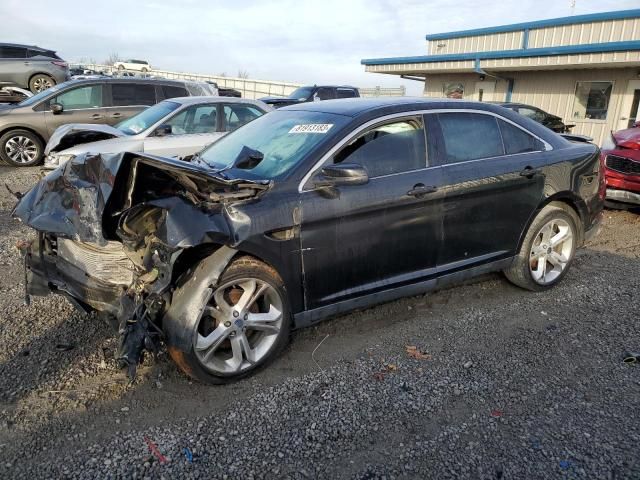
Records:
x=301, y=93
x=145, y=119
x=284, y=138
x=43, y=94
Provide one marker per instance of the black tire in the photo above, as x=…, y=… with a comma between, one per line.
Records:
x=41, y=82
x=519, y=273
x=144, y=70
x=120, y=67
x=16, y=134
x=240, y=268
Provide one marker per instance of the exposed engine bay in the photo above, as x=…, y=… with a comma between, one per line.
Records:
x=116, y=232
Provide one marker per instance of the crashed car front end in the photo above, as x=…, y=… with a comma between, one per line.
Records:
x=111, y=230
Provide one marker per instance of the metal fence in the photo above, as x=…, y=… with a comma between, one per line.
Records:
x=249, y=88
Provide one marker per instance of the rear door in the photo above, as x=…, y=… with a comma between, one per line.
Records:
x=127, y=99
x=191, y=129
x=82, y=104
x=492, y=184
x=363, y=239
x=14, y=65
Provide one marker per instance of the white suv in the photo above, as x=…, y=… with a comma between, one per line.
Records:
x=139, y=65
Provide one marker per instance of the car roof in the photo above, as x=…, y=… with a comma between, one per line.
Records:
x=34, y=47
x=354, y=107
x=514, y=104
x=328, y=86
x=127, y=80
x=210, y=99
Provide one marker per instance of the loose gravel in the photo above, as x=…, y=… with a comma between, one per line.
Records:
x=508, y=384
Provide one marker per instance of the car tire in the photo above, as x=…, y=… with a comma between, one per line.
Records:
x=21, y=148
x=144, y=70
x=40, y=82
x=546, y=255
x=217, y=363
x=120, y=67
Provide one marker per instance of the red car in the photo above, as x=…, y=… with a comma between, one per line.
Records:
x=621, y=157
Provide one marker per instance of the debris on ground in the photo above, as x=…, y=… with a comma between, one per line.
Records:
x=413, y=352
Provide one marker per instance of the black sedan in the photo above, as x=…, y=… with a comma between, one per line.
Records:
x=550, y=121
x=305, y=213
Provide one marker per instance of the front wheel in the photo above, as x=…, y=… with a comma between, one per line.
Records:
x=21, y=148
x=244, y=324
x=547, y=250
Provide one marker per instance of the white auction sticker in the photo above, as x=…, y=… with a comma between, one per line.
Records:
x=312, y=128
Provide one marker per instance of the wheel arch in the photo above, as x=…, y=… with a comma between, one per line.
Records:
x=8, y=128
x=566, y=199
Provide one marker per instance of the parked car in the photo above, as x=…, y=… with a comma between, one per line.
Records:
x=225, y=92
x=550, y=121
x=305, y=213
x=313, y=94
x=138, y=65
x=26, y=127
x=31, y=67
x=621, y=157
x=179, y=127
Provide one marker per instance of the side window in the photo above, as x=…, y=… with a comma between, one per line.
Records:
x=517, y=140
x=13, y=52
x=89, y=96
x=388, y=148
x=346, y=93
x=469, y=136
x=173, y=92
x=195, y=119
x=325, y=94
x=237, y=115
x=124, y=94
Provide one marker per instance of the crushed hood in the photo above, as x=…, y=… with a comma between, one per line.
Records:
x=85, y=199
x=73, y=134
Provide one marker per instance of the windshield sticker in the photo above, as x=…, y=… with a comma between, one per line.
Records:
x=312, y=128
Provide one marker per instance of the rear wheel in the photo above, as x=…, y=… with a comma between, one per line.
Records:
x=244, y=325
x=121, y=67
x=547, y=250
x=21, y=148
x=41, y=82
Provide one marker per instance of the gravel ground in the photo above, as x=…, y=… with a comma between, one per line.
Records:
x=504, y=384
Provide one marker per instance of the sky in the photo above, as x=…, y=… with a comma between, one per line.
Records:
x=285, y=40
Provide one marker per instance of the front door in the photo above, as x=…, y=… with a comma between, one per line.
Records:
x=491, y=185
x=630, y=112
x=82, y=104
x=484, y=91
x=364, y=239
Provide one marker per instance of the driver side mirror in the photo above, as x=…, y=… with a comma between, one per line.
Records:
x=56, y=108
x=342, y=174
x=163, y=131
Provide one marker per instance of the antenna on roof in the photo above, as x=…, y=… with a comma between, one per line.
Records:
x=572, y=6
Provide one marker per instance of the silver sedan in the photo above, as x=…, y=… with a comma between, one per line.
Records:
x=178, y=127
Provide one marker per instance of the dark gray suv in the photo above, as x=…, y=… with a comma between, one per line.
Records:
x=26, y=127
x=31, y=67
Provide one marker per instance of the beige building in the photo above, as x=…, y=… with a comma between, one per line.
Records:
x=584, y=68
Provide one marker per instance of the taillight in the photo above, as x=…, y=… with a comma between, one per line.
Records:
x=61, y=64
x=602, y=185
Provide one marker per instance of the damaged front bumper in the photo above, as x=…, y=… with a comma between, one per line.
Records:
x=110, y=229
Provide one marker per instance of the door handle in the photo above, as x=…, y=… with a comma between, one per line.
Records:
x=420, y=190
x=27, y=63
x=116, y=115
x=96, y=116
x=530, y=172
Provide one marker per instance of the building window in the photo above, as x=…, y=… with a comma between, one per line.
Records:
x=453, y=90
x=592, y=100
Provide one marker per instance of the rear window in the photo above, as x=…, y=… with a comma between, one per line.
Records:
x=469, y=136
x=346, y=93
x=12, y=52
x=41, y=53
x=171, y=91
x=124, y=94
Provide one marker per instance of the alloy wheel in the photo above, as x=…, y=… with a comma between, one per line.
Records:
x=42, y=83
x=551, y=251
x=239, y=326
x=21, y=149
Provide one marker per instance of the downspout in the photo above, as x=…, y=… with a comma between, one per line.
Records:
x=477, y=69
